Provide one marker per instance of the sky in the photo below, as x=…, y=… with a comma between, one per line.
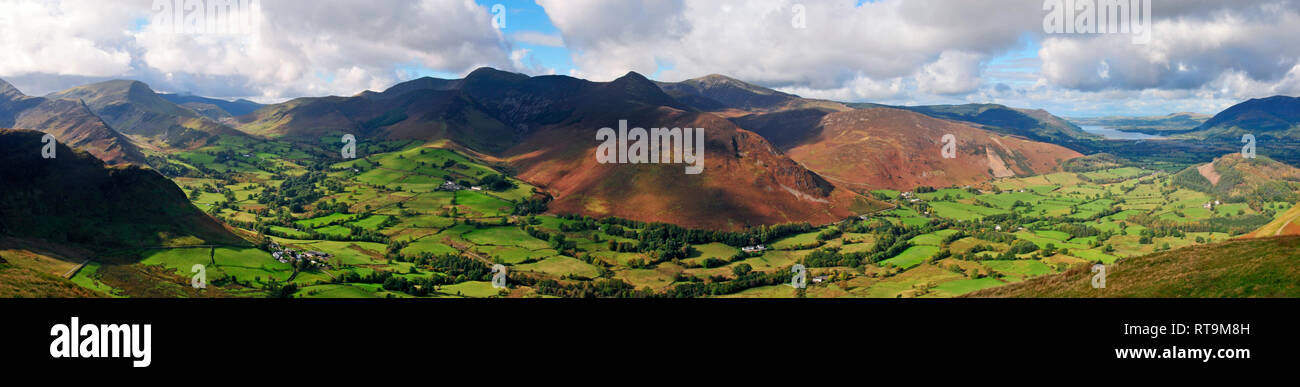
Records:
x=1201, y=56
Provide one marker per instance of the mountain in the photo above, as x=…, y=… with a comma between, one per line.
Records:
x=1272, y=117
x=901, y=149
x=544, y=129
x=134, y=109
x=1237, y=268
x=212, y=108
x=782, y=118
x=717, y=92
x=74, y=199
x=1034, y=124
x=879, y=156
x=69, y=121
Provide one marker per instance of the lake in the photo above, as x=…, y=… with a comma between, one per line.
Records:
x=1112, y=134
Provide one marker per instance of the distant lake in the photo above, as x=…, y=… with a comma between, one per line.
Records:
x=1112, y=134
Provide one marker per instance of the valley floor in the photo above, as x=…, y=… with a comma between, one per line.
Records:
x=420, y=220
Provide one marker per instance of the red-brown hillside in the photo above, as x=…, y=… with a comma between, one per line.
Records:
x=899, y=149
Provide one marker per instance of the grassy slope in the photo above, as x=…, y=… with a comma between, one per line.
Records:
x=20, y=282
x=1286, y=224
x=1241, y=268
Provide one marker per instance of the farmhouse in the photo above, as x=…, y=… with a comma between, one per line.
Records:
x=754, y=249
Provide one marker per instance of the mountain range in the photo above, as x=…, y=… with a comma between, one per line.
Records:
x=772, y=156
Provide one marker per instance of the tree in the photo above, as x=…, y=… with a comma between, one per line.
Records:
x=741, y=269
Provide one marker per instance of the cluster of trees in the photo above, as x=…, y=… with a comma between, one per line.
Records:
x=294, y=193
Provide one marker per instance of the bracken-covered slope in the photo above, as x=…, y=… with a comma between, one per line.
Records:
x=132, y=108
x=69, y=121
x=544, y=129
x=75, y=199
x=899, y=149
x=1288, y=223
x=1238, y=268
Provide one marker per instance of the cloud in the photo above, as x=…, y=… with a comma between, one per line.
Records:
x=80, y=38
x=1194, y=45
x=300, y=47
x=844, y=50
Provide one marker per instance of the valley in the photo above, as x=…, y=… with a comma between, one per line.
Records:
x=413, y=219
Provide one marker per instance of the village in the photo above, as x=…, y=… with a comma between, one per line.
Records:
x=305, y=259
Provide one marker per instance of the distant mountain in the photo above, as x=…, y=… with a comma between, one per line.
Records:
x=75, y=199
x=215, y=109
x=901, y=149
x=1237, y=268
x=1154, y=125
x=1272, y=117
x=544, y=129
x=1034, y=124
x=71, y=123
x=134, y=109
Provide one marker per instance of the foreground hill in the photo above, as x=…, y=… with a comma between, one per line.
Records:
x=134, y=109
x=75, y=199
x=900, y=149
x=69, y=121
x=1239, y=268
x=544, y=129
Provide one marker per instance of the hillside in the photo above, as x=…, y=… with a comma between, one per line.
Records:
x=899, y=149
x=1234, y=178
x=134, y=109
x=1288, y=223
x=1272, y=117
x=1239, y=268
x=543, y=128
x=71, y=123
x=212, y=108
x=1034, y=124
x=74, y=199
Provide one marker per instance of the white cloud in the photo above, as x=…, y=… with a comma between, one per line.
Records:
x=77, y=38
x=301, y=47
